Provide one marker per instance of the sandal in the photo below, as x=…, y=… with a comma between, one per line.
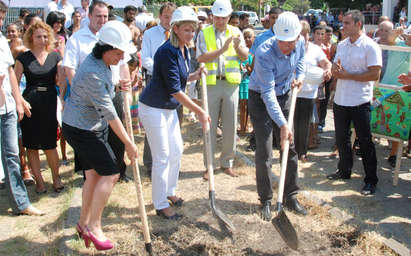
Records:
x=59, y=189
x=177, y=203
x=176, y=216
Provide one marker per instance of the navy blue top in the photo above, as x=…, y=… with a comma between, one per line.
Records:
x=170, y=73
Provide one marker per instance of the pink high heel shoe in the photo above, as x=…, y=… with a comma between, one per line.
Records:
x=79, y=230
x=100, y=245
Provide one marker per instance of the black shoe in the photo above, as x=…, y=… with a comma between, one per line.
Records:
x=173, y=217
x=266, y=211
x=368, y=189
x=292, y=204
x=392, y=160
x=124, y=178
x=2, y=185
x=338, y=175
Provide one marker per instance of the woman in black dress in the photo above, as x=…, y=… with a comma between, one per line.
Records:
x=41, y=67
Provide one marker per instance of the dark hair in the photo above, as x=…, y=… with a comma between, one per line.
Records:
x=23, y=12
x=74, y=13
x=111, y=16
x=318, y=27
x=142, y=9
x=356, y=15
x=275, y=10
x=167, y=5
x=129, y=8
x=96, y=3
x=134, y=59
x=234, y=15
x=57, y=17
x=328, y=29
x=3, y=7
x=29, y=18
x=100, y=48
x=244, y=16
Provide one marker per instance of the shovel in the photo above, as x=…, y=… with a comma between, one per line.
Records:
x=281, y=222
x=136, y=176
x=207, y=141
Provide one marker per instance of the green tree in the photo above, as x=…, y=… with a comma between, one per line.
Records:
x=297, y=6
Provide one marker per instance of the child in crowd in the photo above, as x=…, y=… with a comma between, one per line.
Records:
x=134, y=65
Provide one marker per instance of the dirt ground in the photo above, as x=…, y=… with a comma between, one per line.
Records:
x=199, y=233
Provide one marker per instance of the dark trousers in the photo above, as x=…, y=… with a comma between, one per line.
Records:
x=115, y=143
x=324, y=103
x=264, y=128
x=360, y=116
x=147, y=159
x=302, y=118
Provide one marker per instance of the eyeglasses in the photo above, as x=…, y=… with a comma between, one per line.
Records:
x=202, y=19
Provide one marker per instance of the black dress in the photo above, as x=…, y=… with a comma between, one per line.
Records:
x=40, y=130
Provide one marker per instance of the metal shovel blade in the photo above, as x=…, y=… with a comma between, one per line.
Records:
x=219, y=214
x=286, y=230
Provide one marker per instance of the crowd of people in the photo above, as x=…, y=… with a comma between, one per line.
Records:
x=62, y=79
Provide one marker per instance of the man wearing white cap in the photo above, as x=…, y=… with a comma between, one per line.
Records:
x=279, y=65
x=221, y=46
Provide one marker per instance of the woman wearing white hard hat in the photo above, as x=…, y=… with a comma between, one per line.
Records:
x=87, y=114
x=157, y=110
x=317, y=69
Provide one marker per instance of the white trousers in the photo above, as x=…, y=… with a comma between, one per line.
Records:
x=164, y=137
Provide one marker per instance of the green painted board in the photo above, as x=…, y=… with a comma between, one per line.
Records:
x=392, y=117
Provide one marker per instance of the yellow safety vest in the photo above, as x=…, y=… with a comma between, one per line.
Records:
x=231, y=60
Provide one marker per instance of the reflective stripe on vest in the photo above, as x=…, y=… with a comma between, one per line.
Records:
x=231, y=61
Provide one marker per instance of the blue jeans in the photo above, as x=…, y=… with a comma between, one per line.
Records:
x=17, y=192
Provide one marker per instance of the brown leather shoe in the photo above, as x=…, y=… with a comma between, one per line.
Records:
x=205, y=175
x=32, y=211
x=28, y=180
x=229, y=171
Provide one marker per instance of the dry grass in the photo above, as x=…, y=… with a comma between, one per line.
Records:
x=198, y=233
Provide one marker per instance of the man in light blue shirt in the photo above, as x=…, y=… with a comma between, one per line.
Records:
x=279, y=65
x=261, y=38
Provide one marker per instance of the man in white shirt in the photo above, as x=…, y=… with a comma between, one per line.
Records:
x=142, y=18
x=357, y=64
x=152, y=40
x=10, y=113
x=83, y=10
x=65, y=7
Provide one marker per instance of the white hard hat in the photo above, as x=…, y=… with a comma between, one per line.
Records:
x=287, y=27
x=314, y=75
x=202, y=14
x=118, y=35
x=184, y=13
x=222, y=8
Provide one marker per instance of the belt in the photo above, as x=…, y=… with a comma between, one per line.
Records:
x=41, y=89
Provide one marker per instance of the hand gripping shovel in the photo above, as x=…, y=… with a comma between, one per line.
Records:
x=207, y=141
x=281, y=222
x=137, y=181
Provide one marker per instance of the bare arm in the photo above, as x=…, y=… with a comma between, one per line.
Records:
x=15, y=91
x=372, y=74
x=325, y=64
x=69, y=73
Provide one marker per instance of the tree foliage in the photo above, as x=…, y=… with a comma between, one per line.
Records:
x=297, y=6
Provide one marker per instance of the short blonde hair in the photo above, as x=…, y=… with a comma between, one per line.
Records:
x=173, y=37
x=305, y=27
x=248, y=31
x=28, y=36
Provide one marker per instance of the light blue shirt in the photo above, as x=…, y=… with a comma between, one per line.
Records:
x=261, y=38
x=273, y=73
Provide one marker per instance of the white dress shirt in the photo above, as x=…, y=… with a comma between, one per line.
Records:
x=6, y=61
x=79, y=45
x=152, y=40
x=355, y=59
